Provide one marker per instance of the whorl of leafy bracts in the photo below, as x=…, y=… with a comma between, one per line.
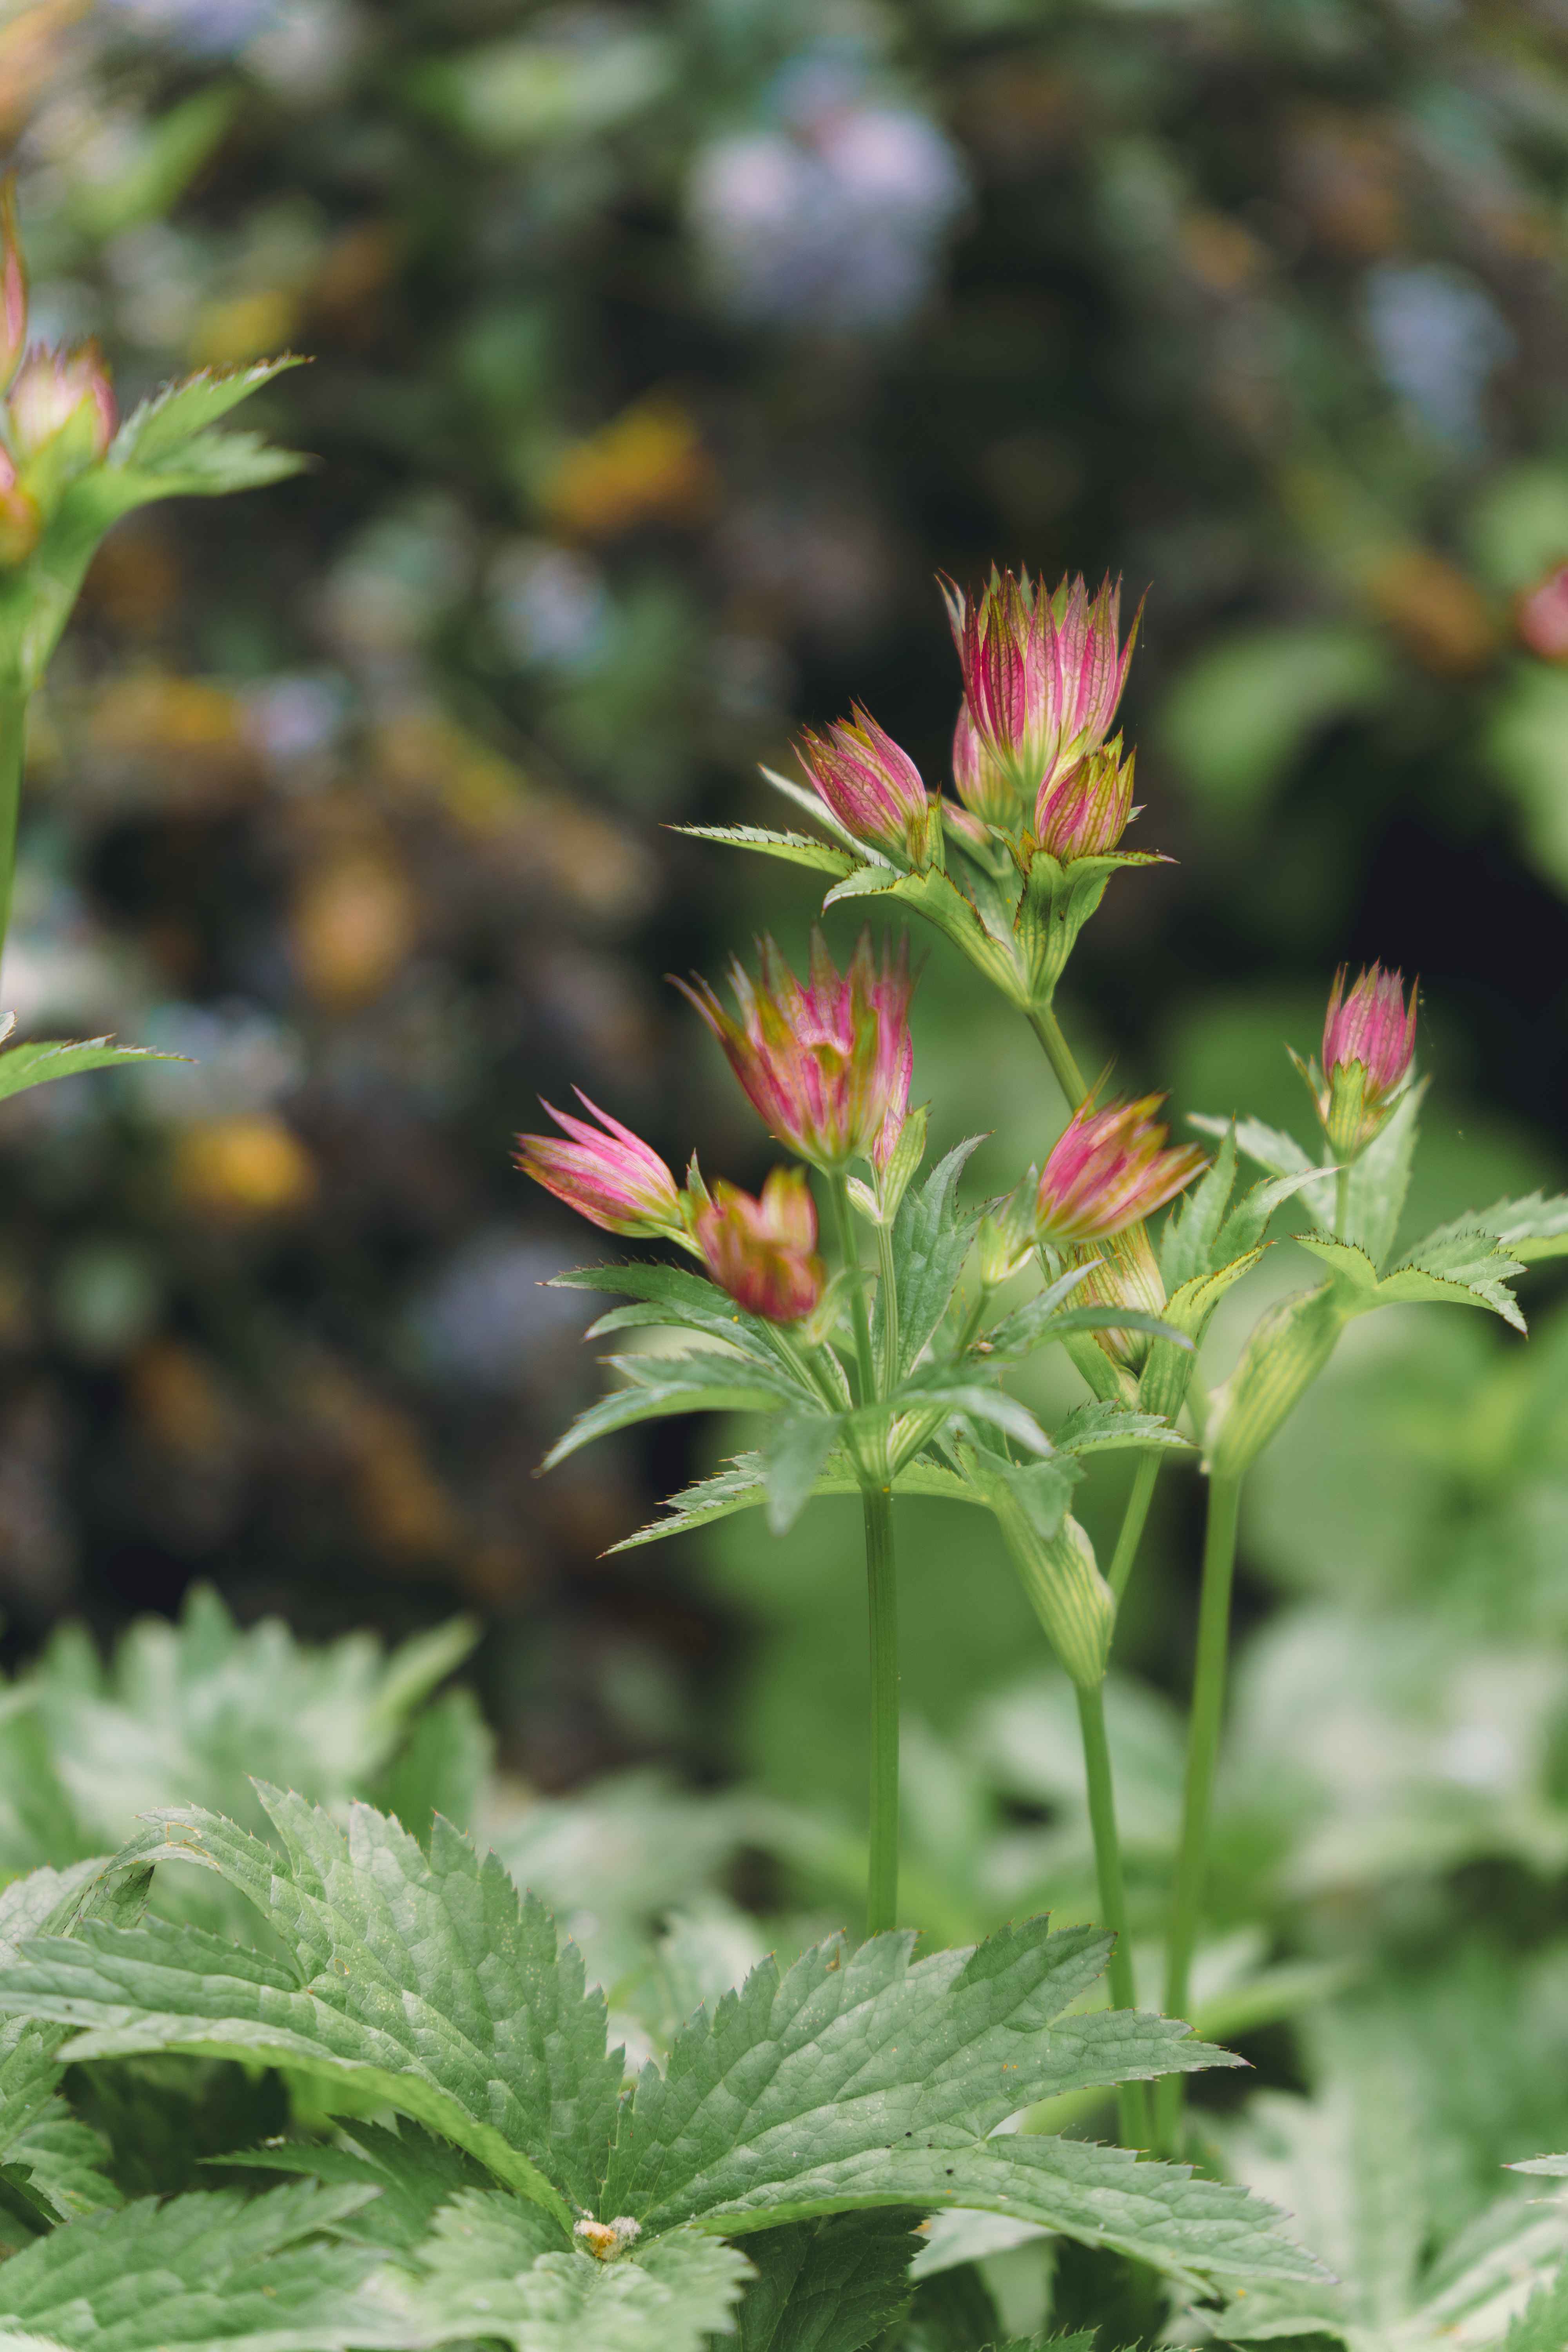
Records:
x=1369, y=1042
x=825, y=1065
x=763, y=1252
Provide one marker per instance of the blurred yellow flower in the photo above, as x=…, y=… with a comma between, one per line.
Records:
x=647, y=464
x=249, y=1166
x=353, y=925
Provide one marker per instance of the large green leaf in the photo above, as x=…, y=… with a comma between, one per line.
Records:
x=423, y=1984
x=795, y=848
x=486, y=2271
x=35, y=1065
x=157, y=429
x=1453, y=1269
x=268, y=2273
x=1527, y=1229
x=412, y=2174
x=834, y=2285
x=932, y=1234
x=711, y=1383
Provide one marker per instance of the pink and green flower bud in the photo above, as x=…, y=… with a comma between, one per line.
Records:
x=826, y=1065
x=1086, y=811
x=874, y=788
x=20, y=520
x=1369, y=1043
x=1108, y=1170
x=607, y=1174
x=983, y=785
x=1127, y=1275
x=13, y=285
x=763, y=1252
x=56, y=391
x=1006, y=1238
x=1540, y=617
x=1042, y=674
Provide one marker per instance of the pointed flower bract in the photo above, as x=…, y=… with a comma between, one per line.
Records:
x=827, y=1066
x=763, y=1252
x=1086, y=810
x=607, y=1174
x=1042, y=674
x=1109, y=1169
x=1369, y=1042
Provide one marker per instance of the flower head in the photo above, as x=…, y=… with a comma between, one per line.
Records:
x=20, y=521
x=1123, y=1272
x=872, y=786
x=607, y=1174
x=13, y=284
x=1369, y=1041
x=1042, y=674
x=1086, y=811
x=763, y=1252
x=56, y=390
x=1109, y=1169
x=1541, y=616
x=826, y=1066
x=984, y=788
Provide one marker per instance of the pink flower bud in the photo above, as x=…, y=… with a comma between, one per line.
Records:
x=873, y=787
x=13, y=284
x=1086, y=811
x=763, y=1253
x=1109, y=1169
x=1042, y=674
x=1541, y=616
x=827, y=1066
x=982, y=785
x=611, y=1177
x=20, y=521
x=1369, y=1041
x=57, y=388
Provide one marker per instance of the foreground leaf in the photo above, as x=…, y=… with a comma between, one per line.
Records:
x=827, y=2287
x=35, y=1065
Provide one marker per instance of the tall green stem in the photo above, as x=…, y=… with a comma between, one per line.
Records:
x=13, y=741
x=1133, y=1520
x=883, y=1604
x=1342, y=1202
x=1132, y=2111
x=887, y=1300
x=1203, y=1747
x=1059, y=1053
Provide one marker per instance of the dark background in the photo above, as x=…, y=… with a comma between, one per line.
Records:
x=661, y=356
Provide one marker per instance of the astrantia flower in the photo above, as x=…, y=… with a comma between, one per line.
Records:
x=1541, y=616
x=873, y=787
x=13, y=285
x=57, y=388
x=826, y=1066
x=1127, y=1275
x=1109, y=1169
x=984, y=788
x=1369, y=1042
x=1042, y=674
x=763, y=1252
x=1085, y=813
x=607, y=1174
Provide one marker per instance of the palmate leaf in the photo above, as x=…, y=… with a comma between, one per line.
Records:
x=834, y=2285
x=1456, y=1269
x=676, y=1299
x=743, y=1486
x=1100, y=1427
x=425, y=1984
x=484, y=2272
x=212, y=2269
x=932, y=1234
x=1527, y=1229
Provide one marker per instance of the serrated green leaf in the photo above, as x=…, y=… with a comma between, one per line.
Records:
x=1244, y=1228
x=682, y=1300
x=936, y=1386
x=182, y=410
x=1542, y=2325
x=652, y=1398
x=36, y=1064
x=484, y=2273
x=1036, y=1325
x=208, y=465
x=426, y=1984
x=793, y=1453
x=813, y=806
x=209, y=2270
x=795, y=848
x=1529, y=1230
x=1100, y=1427
x=1379, y=1178
x=827, y=2287
x=1187, y=1242
x=412, y=2174
x=742, y=1487
x=932, y=1234
x=1469, y=1273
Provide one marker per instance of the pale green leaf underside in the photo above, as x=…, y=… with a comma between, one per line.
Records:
x=795, y=848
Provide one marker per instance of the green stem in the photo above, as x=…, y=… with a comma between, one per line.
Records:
x=1202, y=1748
x=1059, y=1053
x=13, y=740
x=1132, y=1521
x=882, y=1608
x=887, y=1297
x=881, y=1598
x=1342, y=1202
x=1132, y=2111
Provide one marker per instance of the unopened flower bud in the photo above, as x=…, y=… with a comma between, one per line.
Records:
x=1369, y=1042
x=60, y=391
x=607, y=1174
x=20, y=521
x=1007, y=1234
x=1127, y=1275
x=874, y=788
x=1108, y=1170
x=1042, y=674
x=1086, y=811
x=13, y=285
x=1541, y=616
x=826, y=1066
x=763, y=1252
